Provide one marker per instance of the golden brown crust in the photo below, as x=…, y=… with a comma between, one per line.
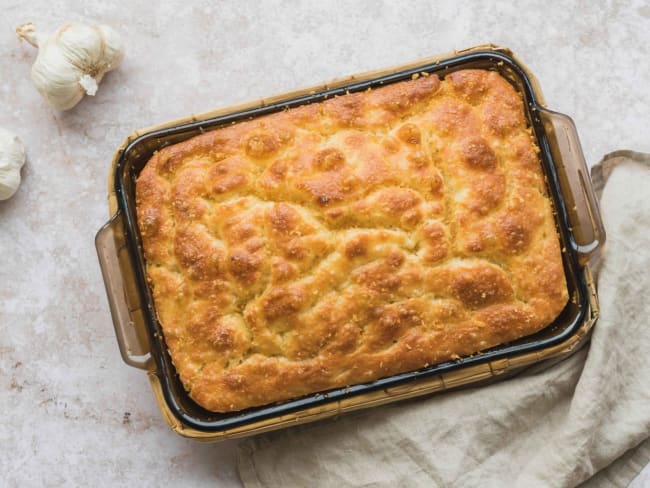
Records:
x=341, y=242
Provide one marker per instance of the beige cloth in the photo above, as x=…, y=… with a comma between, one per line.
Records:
x=583, y=420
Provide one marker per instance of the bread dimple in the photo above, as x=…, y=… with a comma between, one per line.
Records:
x=345, y=241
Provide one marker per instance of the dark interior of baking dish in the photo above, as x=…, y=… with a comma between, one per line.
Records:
x=138, y=152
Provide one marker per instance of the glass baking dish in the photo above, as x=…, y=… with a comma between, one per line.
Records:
x=139, y=334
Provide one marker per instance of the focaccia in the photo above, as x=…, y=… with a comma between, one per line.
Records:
x=344, y=241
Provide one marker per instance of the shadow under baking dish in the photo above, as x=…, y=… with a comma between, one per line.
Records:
x=140, y=150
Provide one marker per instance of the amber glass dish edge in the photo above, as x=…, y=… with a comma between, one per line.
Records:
x=187, y=418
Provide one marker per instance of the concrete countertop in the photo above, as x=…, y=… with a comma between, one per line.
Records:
x=74, y=414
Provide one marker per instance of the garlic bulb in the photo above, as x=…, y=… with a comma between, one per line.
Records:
x=72, y=61
x=12, y=158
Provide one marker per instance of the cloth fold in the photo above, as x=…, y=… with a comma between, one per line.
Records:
x=583, y=421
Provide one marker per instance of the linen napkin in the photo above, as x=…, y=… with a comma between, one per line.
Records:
x=583, y=420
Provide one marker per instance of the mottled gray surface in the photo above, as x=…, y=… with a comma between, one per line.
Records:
x=74, y=414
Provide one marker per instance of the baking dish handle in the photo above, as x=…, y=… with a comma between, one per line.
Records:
x=123, y=298
x=587, y=230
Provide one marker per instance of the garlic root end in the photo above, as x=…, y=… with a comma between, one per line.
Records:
x=89, y=84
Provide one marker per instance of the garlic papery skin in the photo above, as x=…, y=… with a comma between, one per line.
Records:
x=12, y=159
x=72, y=61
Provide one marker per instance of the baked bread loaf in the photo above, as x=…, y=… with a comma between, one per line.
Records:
x=345, y=241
